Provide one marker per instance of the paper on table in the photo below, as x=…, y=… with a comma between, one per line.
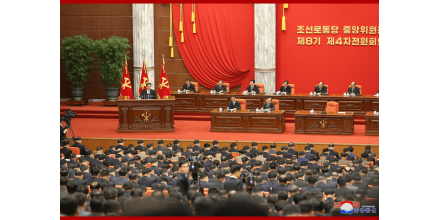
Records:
x=341, y=112
x=376, y=95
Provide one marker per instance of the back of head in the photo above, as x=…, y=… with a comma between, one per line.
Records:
x=111, y=208
x=239, y=207
x=291, y=210
x=203, y=206
x=68, y=205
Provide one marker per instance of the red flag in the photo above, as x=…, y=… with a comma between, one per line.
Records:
x=144, y=78
x=126, y=89
x=164, y=88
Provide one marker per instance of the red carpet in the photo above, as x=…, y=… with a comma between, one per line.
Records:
x=191, y=130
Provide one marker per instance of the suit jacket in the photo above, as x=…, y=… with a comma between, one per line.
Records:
x=182, y=183
x=254, y=150
x=218, y=89
x=313, y=152
x=218, y=184
x=152, y=95
x=339, y=192
x=310, y=188
x=271, y=106
x=373, y=193
x=122, y=147
x=237, y=105
x=334, y=153
x=120, y=180
x=233, y=184
x=79, y=182
x=322, y=186
x=272, y=183
x=301, y=159
x=102, y=181
x=169, y=151
x=208, y=152
x=139, y=147
x=66, y=151
x=355, y=90
x=287, y=155
x=354, y=188
x=93, y=179
x=191, y=87
x=292, y=151
x=197, y=148
x=287, y=90
x=82, y=149
x=323, y=90
x=344, y=162
x=215, y=148
x=261, y=158
x=175, y=148
x=266, y=188
x=205, y=184
x=300, y=183
x=255, y=88
x=280, y=187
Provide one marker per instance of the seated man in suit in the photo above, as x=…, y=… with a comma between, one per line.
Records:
x=220, y=87
x=321, y=89
x=66, y=149
x=233, y=183
x=253, y=87
x=353, y=89
x=78, y=144
x=148, y=93
x=233, y=104
x=188, y=87
x=286, y=88
x=269, y=104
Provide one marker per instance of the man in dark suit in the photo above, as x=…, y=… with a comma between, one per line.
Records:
x=140, y=146
x=292, y=149
x=220, y=183
x=94, y=172
x=220, y=87
x=233, y=148
x=285, y=153
x=253, y=87
x=63, y=131
x=160, y=144
x=332, y=151
x=215, y=147
x=312, y=151
x=66, y=149
x=311, y=181
x=374, y=192
x=269, y=104
x=342, y=189
x=272, y=180
x=300, y=180
x=148, y=93
x=196, y=146
x=79, y=178
x=259, y=180
x=182, y=180
x=233, y=104
x=353, y=89
x=204, y=180
x=285, y=88
x=208, y=151
x=122, y=178
x=282, y=186
x=169, y=150
x=82, y=148
x=177, y=146
x=254, y=148
x=146, y=179
x=188, y=86
x=233, y=183
x=321, y=89
x=121, y=145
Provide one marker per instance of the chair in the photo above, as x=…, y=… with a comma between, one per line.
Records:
x=171, y=166
x=371, y=199
x=196, y=85
x=149, y=188
x=205, y=192
x=165, y=193
x=88, y=164
x=293, y=88
x=275, y=155
x=138, y=151
x=241, y=163
x=118, y=186
x=235, y=154
x=260, y=86
x=132, y=156
x=266, y=193
x=183, y=156
x=111, y=167
x=175, y=161
x=89, y=189
x=277, y=104
x=61, y=147
x=148, y=165
x=227, y=86
x=112, y=156
x=148, y=193
x=360, y=88
x=375, y=159
x=75, y=150
x=242, y=103
x=332, y=107
x=324, y=85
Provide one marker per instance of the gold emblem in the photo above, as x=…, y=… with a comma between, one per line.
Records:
x=323, y=123
x=146, y=116
x=144, y=83
x=127, y=83
x=164, y=83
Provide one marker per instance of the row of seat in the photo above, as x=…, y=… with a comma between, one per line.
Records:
x=261, y=87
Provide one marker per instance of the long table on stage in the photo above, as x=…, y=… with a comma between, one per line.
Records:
x=330, y=123
x=291, y=103
x=146, y=115
x=371, y=124
x=248, y=121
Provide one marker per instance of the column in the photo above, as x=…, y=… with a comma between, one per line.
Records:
x=265, y=44
x=143, y=43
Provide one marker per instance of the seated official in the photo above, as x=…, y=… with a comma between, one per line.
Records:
x=269, y=104
x=321, y=89
x=188, y=87
x=220, y=87
x=253, y=87
x=353, y=89
x=286, y=88
x=148, y=93
x=234, y=104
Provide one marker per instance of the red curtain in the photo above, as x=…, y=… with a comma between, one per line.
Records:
x=222, y=47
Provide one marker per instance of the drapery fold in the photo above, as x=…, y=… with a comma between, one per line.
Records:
x=222, y=48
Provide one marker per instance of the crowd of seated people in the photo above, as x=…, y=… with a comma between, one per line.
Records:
x=144, y=181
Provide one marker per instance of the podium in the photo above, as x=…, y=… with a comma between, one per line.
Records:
x=152, y=115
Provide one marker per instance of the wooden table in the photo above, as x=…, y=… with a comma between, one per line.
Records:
x=371, y=124
x=146, y=115
x=291, y=103
x=330, y=123
x=248, y=121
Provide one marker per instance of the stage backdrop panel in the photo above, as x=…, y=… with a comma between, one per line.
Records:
x=336, y=65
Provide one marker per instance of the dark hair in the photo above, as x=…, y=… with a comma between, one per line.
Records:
x=71, y=187
x=68, y=204
x=233, y=96
x=111, y=207
x=188, y=79
x=96, y=204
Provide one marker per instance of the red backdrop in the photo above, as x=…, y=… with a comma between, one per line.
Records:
x=336, y=65
x=222, y=48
